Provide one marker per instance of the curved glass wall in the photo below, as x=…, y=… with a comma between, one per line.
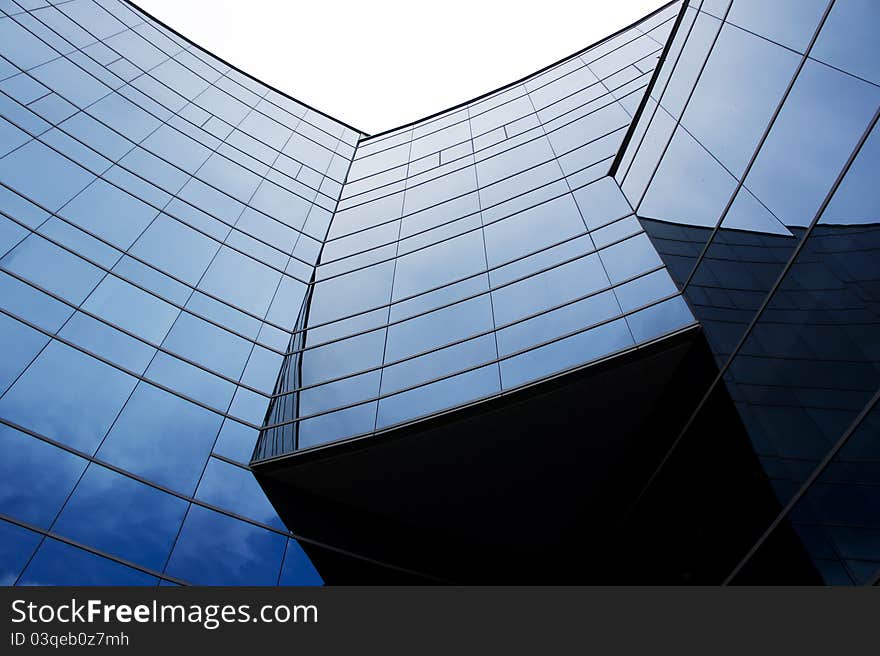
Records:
x=160, y=218
x=766, y=114
x=192, y=263
x=479, y=251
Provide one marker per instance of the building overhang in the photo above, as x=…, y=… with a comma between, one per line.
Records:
x=521, y=488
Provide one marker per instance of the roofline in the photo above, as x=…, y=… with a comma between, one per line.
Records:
x=637, y=117
x=236, y=68
x=366, y=136
x=523, y=78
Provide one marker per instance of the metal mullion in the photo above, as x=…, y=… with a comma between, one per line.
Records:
x=764, y=304
x=468, y=277
x=124, y=189
x=77, y=309
x=461, y=340
x=469, y=214
x=508, y=356
x=162, y=488
x=637, y=118
x=379, y=136
x=165, y=121
x=48, y=533
x=485, y=250
x=474, y=151
x=805, y=486
x=711, y=47
x=741, y=179
x=492, y=268
x=197, y=74
x=85, y=110
x=126, y=280
x=692, y=327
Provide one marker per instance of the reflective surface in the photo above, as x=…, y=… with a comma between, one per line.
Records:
x=160, y=219
x=775, y=246
x=192, y=264
x=479, y=251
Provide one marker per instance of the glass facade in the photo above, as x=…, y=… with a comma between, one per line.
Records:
x=160, y=221
x=479, y=251
x=201, y=274
x=750, y=169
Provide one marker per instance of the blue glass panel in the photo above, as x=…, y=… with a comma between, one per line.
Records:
x=27, y=168
x=262, y=369
x=191, y=381
x=439, y=363
x=658, y=319
x=16, y=546
x=107, y=342
x=131, y=308
x=437, y=396
x=21, y=346
x=233, y=179
x=98, y=136
x=679, y=81
x=57, y=563
x=789, y=22
x=23, y=48
x=644, y=290
x=223, y=314
x=281, y=204
x=601, y=203
x=562, y=321
x=124, y=116
x=849, y=40
x=858, y=196
x=11, y=137
x=351, y=293
x=708, y=185
x=152, y=280
x=68, y=396
x=528, y=231
x=337, y=425
x=629, y=258
x=236, y=441
x=297, y=568
x=566, y=353
x=249, y=406
x=53, y=268
x=36, y=477
x=440, y=327
x=162, y=437
x=339, y=393
x=214, y=549
x=122, y=517
x=208, y=345
x=817, y=128
x=577, y=278
x=32, y=305
x=235, y=489
x=439, y=264
x=109, y=212
x=241, y=281
x=71, y=82
x=177, y=148
x=10, y=234
x=76, y=241
x=740, y=88
x=615, y=231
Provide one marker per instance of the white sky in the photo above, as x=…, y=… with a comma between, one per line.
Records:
x=377, y=64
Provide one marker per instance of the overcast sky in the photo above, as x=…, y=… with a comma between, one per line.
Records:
x=376, y=64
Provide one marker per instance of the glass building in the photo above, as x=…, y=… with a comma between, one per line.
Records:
x=614, y=322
